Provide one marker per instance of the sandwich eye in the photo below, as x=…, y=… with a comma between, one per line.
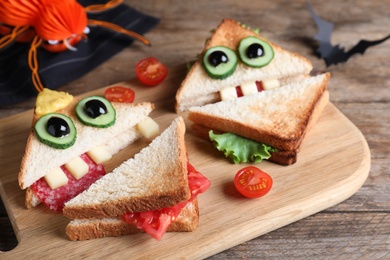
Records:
x=219, y=62
x=55, y=130
x=96, y=111
x=255, y=52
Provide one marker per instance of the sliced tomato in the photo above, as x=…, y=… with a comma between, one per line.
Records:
x=119, y=94
x=252, y=182
x=156, y=222
x=151, y=71
x=196, y=181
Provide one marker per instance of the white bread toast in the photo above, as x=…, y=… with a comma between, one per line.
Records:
x=39, y=158
x=155, y=178
x=280, y=117
x=198, y=88
x=85, y=229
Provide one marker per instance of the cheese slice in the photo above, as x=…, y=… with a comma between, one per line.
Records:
x=56, y=178
x=148, y=128
x=77, y=167
x=99, y=154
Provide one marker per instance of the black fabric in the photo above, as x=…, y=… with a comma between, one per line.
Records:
x=58, y=69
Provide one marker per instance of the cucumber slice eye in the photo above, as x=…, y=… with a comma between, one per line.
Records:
x=255, y=52
x=96, y=111
x=219, y=62
x=56, y=130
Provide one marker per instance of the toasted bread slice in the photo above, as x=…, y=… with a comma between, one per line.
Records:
x=39, y=158
x=198, y=88
x=155, y=178
x=282, y=157
x=279, y=118
x=84, y=229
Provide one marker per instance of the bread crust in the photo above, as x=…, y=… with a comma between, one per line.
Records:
x=31, y=199
x=187, y=221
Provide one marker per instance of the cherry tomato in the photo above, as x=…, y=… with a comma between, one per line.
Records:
x=151, y=71
x=119, y=94
x=252, y=182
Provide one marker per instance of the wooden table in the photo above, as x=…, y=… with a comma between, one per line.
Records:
x=356, y=228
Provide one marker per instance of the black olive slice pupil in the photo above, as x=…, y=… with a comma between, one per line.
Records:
x=57, y=127
x=218, y=57
x=95, y=108
x=254, y=50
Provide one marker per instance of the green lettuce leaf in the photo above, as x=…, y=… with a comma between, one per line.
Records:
x=240, y=149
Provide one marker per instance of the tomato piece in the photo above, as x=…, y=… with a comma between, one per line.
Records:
x=252, y=182
x=119, y=94
x=156, y=222
x=196, y=181
x=150, y=71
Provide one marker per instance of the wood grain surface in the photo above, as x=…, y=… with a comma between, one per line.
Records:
x=357, y=228
x=300, y=190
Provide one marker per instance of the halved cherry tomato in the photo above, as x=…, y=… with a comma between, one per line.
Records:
x=119, y=94
x=151, y=71
x=252, y=182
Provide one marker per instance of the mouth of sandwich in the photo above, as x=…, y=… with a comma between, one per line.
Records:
x=247, y=88
x=68, y=180
x=255, y=86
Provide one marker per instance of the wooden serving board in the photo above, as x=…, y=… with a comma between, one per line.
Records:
x=333, y=164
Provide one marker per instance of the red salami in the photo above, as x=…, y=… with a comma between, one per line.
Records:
x=55, y=199
x=156, y=222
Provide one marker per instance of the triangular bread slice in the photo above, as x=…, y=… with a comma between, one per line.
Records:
x=155, y=178
x=40, y=158
x=199, y=89
x=279, y=117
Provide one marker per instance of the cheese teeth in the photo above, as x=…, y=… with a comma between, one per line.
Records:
x=56, y=178
x=228, y=93
x=270, y=84
x=99, y=155
x=148, y=128
x=247, y=88
x=77, y=167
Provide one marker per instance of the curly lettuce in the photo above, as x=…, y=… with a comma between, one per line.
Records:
x=240, y=149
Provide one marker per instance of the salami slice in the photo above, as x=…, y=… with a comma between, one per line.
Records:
x=55, y=199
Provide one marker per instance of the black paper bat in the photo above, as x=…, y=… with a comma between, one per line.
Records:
x=333, y=54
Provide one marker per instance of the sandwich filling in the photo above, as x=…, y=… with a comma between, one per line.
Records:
x=56, y=198
x=156, y=222
x=240, y=149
